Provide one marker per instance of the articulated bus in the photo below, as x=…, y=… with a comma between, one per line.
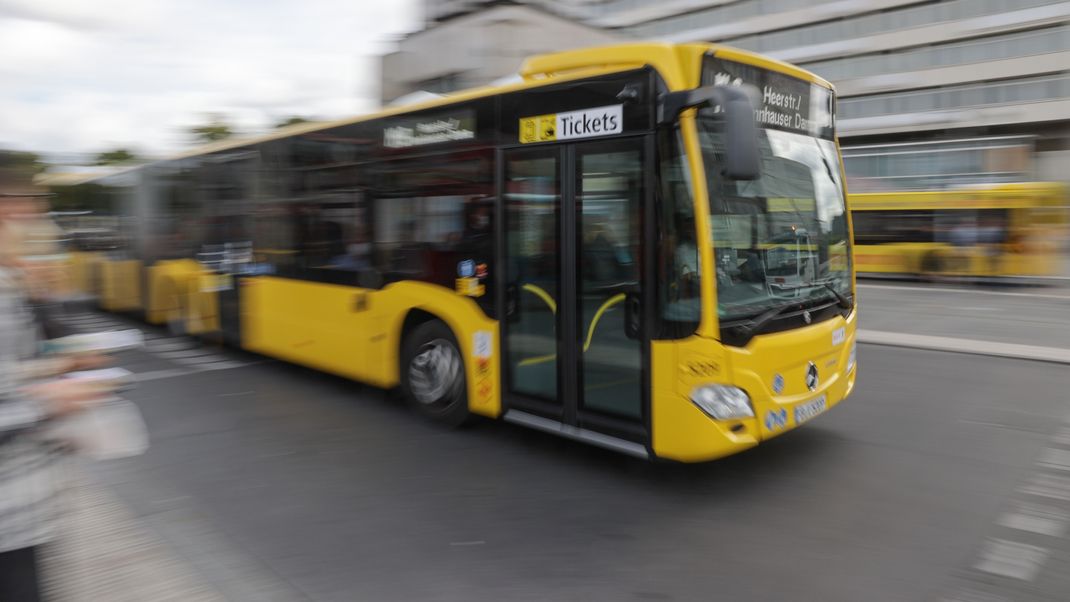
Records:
x=979, y=231
x=645, y=247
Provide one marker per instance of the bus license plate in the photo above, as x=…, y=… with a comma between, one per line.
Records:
x=806, y=411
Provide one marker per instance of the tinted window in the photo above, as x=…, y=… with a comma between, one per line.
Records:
x=433, y=220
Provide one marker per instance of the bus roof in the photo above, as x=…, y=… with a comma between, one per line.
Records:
x=678, y=64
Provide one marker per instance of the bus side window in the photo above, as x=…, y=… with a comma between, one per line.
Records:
x=679, y=304
x=423, y=238
x=433, y=220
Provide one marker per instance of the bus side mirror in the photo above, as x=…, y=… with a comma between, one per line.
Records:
x=742, y=159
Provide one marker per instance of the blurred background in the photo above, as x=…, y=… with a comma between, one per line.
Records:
x=946, y=476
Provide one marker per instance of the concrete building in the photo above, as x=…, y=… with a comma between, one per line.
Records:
x=931, y=92
x=936, y=92
x=468, y=44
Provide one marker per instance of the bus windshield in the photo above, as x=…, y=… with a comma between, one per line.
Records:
x=782, y=238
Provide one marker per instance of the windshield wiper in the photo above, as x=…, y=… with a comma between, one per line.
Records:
x=759, y=322
x=841, y=299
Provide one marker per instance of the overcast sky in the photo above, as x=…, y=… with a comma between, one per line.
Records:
x=90, y=75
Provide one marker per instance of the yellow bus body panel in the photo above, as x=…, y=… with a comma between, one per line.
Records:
x=681, y=431
x=678, y=64
x=202, y=304
x=320, y=326
x=84, y=270
x=169, y=285
x=120, y=285
x=1038, y=215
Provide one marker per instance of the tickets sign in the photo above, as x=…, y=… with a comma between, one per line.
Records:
x=570, y=125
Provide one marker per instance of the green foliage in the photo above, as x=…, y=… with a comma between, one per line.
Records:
x=21, y=160
x=293, y=120
x=216, y=129
x=115, y=157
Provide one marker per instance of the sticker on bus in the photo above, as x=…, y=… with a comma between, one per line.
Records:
x=806, y=411
x=482, y=344
x=838, y=336
x=470, y=287
x=585, y=123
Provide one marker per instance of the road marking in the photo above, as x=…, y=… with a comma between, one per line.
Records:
x=1055, y=458
x=968, y=291
x=171, y=345
x=1050, y=486
x=974, y=596
x=1035, y=519
x=197, y=360
x=971, y=346
x=468, y=543
x=226, y=365
x=185, y=353
x=1011, y=559
x=140, y=377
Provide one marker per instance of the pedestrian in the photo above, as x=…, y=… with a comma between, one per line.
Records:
x=29, y=404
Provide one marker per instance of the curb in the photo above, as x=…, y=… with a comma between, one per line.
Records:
x=1054, y=355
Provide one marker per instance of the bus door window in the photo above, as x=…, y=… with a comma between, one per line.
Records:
x=532, y=212
x=609, y=198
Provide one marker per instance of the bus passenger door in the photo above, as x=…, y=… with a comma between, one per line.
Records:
x=573, y=325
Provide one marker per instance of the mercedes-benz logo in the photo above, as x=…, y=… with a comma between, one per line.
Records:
x=807, y=317
x=811, y=376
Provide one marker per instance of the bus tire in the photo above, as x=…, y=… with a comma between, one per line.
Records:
x=433, y=374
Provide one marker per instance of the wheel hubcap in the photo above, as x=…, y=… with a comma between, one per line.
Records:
x=434, y=373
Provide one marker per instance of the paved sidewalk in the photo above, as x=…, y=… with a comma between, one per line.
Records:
x=107, y=554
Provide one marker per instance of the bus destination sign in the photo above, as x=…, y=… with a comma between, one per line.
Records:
x=421, y=131
x=787, y=103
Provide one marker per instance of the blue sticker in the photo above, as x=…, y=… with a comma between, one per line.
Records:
x=776, y=419
x=466, y=268
x=778, y=384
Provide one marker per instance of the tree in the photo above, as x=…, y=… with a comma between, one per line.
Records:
x=293, y=120
x=21, y=160
x=115, y=157
x=215, y=129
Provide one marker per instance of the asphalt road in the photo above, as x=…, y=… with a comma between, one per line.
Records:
x=1031, y=316
x=276, y=482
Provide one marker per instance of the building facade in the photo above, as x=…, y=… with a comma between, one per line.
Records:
x=469, y=44
x=931, y=92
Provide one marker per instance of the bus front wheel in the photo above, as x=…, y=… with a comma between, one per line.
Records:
x=432, y=374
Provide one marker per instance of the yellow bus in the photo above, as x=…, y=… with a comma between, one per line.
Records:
x=992, y=230
x=645, y=247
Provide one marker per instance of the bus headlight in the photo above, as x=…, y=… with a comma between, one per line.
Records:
x=722, y=402
x=851, y=356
